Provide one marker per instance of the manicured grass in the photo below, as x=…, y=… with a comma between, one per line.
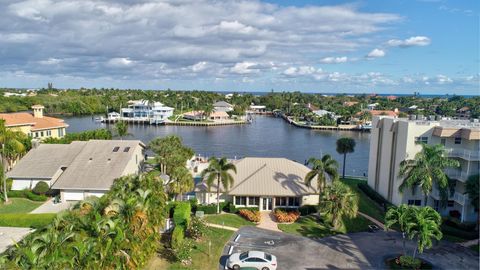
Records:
x=475, y=248
x=19, y=205
x=231, y=220
x=201, y=259
x=365, y=204
x=26, y=220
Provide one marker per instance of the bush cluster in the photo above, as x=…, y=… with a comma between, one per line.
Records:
x=456, y=223
x=26, y=194
x=197, y=228
x=374, y=195
x=41, y=188
x=250, y=215
x=308, y=209
x=97, y=134
x=178, y=235
x=208, y=209
x=181, y=214
x=409, y=262
x=286, y=216
x=469, y=235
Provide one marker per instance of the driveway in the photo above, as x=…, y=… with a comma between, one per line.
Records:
x=362, y=250
x=11, y=235
x=50, y=207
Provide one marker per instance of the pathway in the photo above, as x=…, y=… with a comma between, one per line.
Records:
x=469, y=243
x=378, y=223
x=221, y=227
x=11, y=235
x=50, y=207
x=268, y=222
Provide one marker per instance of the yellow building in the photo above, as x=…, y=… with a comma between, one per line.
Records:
x=36, y=125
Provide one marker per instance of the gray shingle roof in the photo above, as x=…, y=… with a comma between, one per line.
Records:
x=96, y=166
x=222, y=104
x=267, y=177
x=45, y=160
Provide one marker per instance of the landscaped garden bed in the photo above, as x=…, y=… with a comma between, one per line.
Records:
x=407, y=262
x=250, y=215
x=285, y=215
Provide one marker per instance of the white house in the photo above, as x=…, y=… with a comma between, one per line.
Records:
x=155, y=112
x=266, y=183
x=222, y=106
x=78, y=169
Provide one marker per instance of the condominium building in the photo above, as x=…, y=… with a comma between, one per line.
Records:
x=396, y=139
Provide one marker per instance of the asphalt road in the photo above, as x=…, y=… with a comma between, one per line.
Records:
x=362, y=250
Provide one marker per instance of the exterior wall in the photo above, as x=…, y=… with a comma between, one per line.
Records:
x=211, y=197
x=21, y=184
x=135, y=164
x=54, y=132
x=310, y=200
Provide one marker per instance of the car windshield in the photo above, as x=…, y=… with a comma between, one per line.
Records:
x=268, y=257
x=243, y=256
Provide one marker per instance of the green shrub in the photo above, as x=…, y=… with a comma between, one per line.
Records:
x=374, y=195
x=182, y=213
x=307, y=209
x=193, y=204
x=26, y=194
x=197, y=228
x=183, y=252
x=468, y=235
x=207, y=209
x=169, y=209
x=255, y=208
x=26, y=220
x=410, y=262
x=230, y=208
x=456, y=223
x=178, y=235
x=41, y=188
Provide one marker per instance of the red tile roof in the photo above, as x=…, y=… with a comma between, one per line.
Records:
x=22, y=119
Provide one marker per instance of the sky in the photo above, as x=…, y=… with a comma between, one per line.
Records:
x=378, y=46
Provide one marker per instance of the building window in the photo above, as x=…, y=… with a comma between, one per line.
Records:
x=293, y=201
x=126, y=149
x=443, y=142
x=41, y=134
x=450, y=203
x=36, y=134
x=421, y=140
x=60, y=132
x=458, y=140
x=414, y=202
x=240, y=200
x=116, y=148
x=253, y=200
x=280, y=201
x=49, y=133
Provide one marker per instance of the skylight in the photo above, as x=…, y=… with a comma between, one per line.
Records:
x=116, y=149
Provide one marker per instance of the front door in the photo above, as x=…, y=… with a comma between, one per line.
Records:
x=266, y=204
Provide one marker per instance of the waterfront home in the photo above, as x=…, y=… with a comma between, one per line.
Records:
x=222, y=106
x=396, y=139
x=372, y=106
x=35, y=125
x=349, y=103
x=218, y=116
x=79, y=169
x=258, y=108
x=194, y=115
x=265, y=183
x=144, y=111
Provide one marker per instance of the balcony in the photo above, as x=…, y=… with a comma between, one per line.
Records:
x=457, y=174
x=457, y=196
x=463, y=153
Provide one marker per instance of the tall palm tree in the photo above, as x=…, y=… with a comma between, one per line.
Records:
x=207, y=110
x=122, y=128
x=321, y=168
x=11, y=148
x=181, y=181
x=424, y=226
x=344, y=146
x=219, y=170
x=472, y=189
x=401, y=215
x=338, y=202
x=426, y=170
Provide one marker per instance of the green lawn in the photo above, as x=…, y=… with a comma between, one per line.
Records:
x=26, y=220
x=365, y=205
x=308, y=226
x=231, y=220
x=19, y=205
x=201, y=259
x=475, y=248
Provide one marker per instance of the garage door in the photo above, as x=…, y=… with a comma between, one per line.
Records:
x=73, y=195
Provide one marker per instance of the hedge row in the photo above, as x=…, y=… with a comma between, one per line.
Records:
x=468, y=235
x=286, y=215
x=26, y=220
x=253, y=216
x=178, y=235
x=181, y=214
x=26, y=194
x=455, y=223
x=374, y=195
x=307, y=209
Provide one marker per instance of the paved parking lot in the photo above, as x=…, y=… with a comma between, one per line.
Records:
x=352, y=251
x=11, y=235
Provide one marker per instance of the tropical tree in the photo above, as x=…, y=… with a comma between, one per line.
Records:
x=400, y=215
x=426, y=170
x=344, y=146
x=11, y=148
x=218, y=171
x=121, y=127
x=170, y=153
x=339, y=202
x=149, y=97
x=321, y=169
x=207, y=110
x=472, y=189
x=181, y=181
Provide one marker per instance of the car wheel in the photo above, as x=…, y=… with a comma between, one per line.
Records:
x=265, y=268
x=236, y=267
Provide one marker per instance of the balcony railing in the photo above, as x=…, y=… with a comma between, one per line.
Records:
x=457, y=174
x=457, y=196
x=462, y=153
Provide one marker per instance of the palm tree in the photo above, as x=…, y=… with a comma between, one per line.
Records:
x=345, y=146
x=11, y=148
x=219, y=170
x=182, y=181
x=427, y=169
x=472, y=188
x=122, y=128
x=207, y=110
x=321, y=168
x=400, y=215
x=338, y=202
x=424, y=226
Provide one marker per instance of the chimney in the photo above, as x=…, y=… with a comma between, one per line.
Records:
x=38, y=111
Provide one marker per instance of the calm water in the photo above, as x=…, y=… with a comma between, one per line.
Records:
x=265, y=137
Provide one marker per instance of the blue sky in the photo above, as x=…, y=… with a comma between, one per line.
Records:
x=428, y=46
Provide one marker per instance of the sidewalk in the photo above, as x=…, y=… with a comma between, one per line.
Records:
x=221, y=227
x=469, y=243
x=268, y=221
x=378, y=223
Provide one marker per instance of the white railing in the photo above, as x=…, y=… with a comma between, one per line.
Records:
x=463, y=153
x=460, y=198
x=457, y=174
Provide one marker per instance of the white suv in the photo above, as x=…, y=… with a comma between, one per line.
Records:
x=254, y=259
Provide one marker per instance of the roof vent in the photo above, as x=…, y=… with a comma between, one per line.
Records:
x=90, y=159
x=116, y=148
x=126, y=149
x=109, y=159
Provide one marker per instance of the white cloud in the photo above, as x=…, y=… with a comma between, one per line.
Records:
x=376, y=53
x=300, y=71
x=244, y=68
x=334, y=60
x=410, y=42
x=120, y=62
x=200, y=66
x=442, y=79
x=50, y=61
